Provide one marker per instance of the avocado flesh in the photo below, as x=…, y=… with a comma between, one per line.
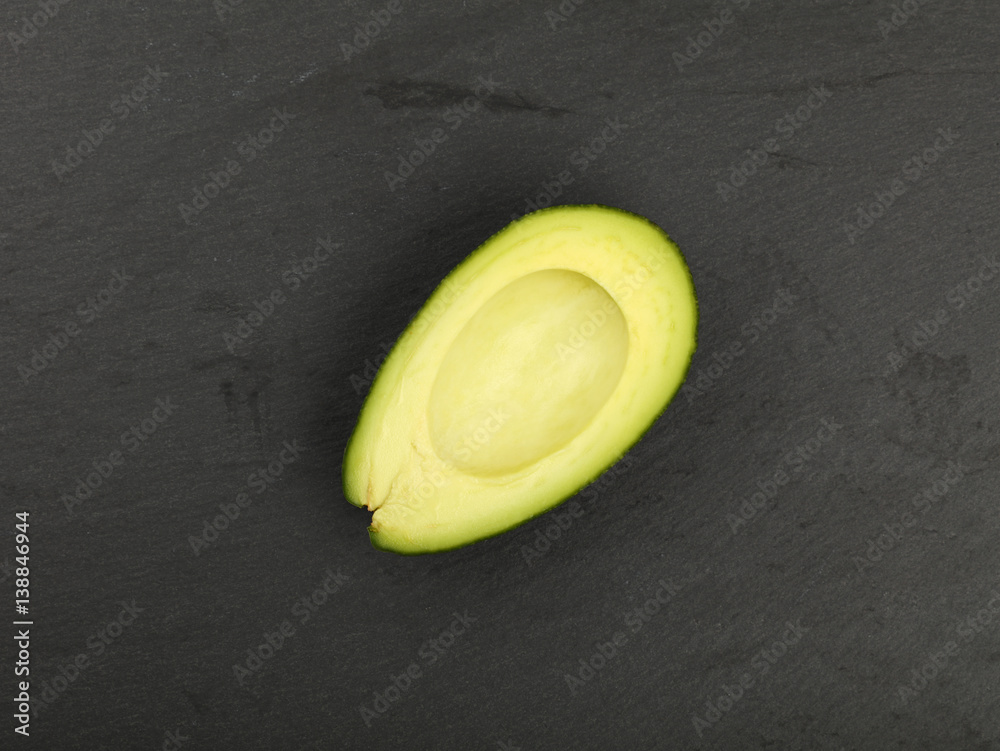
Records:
x=531, y=369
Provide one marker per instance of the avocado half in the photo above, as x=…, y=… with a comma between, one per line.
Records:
x=533, y=367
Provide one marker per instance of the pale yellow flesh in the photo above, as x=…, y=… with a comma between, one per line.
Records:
x=533, y=367
x=516, y=383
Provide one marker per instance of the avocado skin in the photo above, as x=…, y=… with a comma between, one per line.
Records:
x=374, y=536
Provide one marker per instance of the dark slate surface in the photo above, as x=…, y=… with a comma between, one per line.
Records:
x=887, y=332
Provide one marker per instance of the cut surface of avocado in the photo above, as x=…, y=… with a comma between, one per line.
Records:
x=530, y=370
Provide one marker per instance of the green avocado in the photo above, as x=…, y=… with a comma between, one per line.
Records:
x=534, y=366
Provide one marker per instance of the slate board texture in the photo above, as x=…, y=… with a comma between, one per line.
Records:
x=846, y=373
